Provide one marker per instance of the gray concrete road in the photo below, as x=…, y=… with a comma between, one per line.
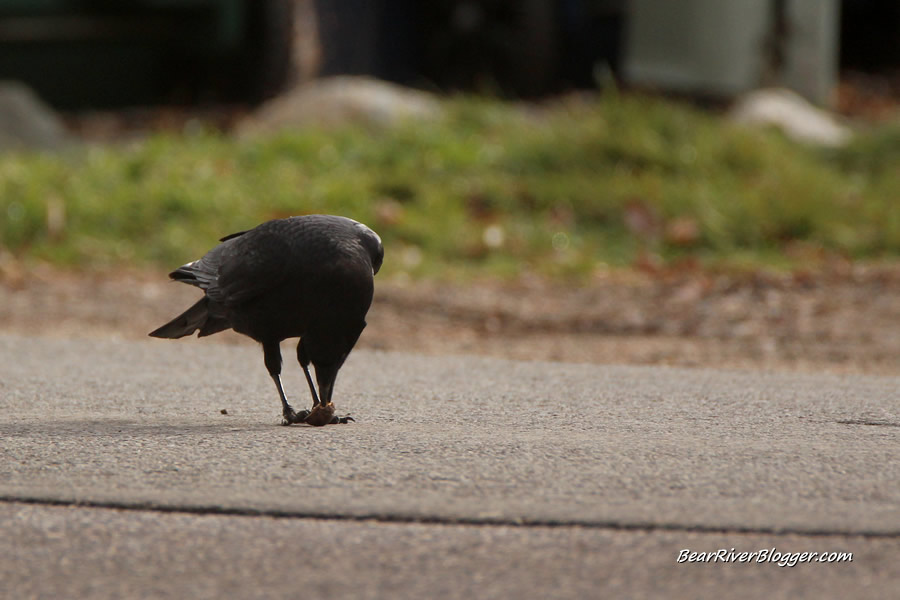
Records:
x=463, y=477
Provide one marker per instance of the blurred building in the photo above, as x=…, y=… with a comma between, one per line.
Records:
x=78, y=53
x=98, y=53
x=723, y=48
x=514, y=47
x=713, y=48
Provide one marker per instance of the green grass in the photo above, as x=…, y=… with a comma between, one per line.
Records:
x=563, y=188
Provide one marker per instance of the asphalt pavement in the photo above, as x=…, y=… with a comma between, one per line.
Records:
x=158, y=469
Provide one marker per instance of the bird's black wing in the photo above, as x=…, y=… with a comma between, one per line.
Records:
x=247, y=264
x=240, y=268
x=231, y=236
x=201, y=273
x=204, y=272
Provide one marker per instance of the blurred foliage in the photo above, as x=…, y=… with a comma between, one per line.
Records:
x=492, y=188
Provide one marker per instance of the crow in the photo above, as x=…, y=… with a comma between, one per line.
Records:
x=309, y=277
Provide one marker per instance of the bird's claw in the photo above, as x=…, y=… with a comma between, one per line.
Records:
x=290, y=417
x=319, y=415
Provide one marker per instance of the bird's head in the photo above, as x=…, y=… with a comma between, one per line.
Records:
x=372, y=243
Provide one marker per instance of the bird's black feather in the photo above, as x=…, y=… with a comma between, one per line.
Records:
x=308, y=277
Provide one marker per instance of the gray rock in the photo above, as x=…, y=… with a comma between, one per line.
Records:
x=26, y=122
x=336, y=101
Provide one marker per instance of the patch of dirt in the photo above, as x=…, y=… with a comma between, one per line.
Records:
x=841, y=320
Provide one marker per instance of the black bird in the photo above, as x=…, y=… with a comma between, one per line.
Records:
x=309, y=277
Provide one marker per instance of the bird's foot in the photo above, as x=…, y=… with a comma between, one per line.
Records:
x=323, y=414
x=289, y=417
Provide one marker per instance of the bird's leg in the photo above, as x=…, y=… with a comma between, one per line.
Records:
x=303, y=359
x=312, y=388
x=272, y=356
x=289, y=416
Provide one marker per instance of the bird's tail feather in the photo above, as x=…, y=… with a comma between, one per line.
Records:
x=196, y=317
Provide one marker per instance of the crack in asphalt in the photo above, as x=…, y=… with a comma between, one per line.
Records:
x=869, y=422
x=400, y=519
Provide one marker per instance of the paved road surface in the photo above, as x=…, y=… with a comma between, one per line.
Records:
x=463, y=477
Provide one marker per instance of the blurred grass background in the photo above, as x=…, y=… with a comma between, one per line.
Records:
x=491, y=189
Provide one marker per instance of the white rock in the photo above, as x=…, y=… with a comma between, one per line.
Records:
x=791, y=113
